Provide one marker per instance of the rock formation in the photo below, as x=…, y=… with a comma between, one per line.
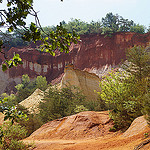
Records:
x=87, y=82
x=32, y=102
x=79, y=126
x=94, y=53
x=137, y=126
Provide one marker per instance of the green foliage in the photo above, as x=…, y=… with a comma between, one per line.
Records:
x=41, y=83
x=95, y=105
x=13, y=39
x=110, y=22
x=32, y=123
x=11, y=99
x=138, y=28
x=115, y=23
x=27, y=87
x=146, y=106
x=11, y=136
x=12, y=62
x=122, y=96
x=80, y=108
x=127, y=93
x=77, y=25
x=10, y=112
x=14, y=16
x=138, y=58
x=59, y=103
x=81, y=27
x=24, y=89
x=108, y=25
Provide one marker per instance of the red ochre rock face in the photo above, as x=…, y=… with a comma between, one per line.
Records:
x=92, y=52
x=88, y=124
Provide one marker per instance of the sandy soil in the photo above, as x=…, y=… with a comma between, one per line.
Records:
x=110, y=142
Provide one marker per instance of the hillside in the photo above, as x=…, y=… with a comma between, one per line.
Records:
x=88, y=130
x=94, y=53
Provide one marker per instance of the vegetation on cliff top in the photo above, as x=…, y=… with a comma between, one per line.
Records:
x=109, y=24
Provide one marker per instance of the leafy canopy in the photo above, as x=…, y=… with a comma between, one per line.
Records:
x=115, y=23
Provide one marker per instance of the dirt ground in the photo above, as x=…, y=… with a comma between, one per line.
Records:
x=109, y=142
x=67, y=134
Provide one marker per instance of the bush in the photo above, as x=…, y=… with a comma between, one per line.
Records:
x=146, y=107
x=80, y=108
x=120, y=93
x=60, y=103
x=31, y=124
x=12, y=134
x=96, y=105
x=11, y=99
x=127, y=93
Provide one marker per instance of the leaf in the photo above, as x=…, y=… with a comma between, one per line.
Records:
x=46, y=38
x=8, y=4
x=10, y=29
x=5, y=118
x=4, y=67
x=2, y=23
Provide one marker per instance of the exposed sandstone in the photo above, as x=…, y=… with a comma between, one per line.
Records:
x=32, y=102
x=115, y=141
x=87, y=82
x=94, y=53
x=137, y=126
x=79, y=126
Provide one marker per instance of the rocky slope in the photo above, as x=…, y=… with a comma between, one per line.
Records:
x=87, y=131
x=94, y=53
x=82, y=125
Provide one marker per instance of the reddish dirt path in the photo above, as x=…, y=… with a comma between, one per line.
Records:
x=111, y=142
x=46, y=138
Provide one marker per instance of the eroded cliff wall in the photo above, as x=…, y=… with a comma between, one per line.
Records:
x=94, y=53
x=85, y=81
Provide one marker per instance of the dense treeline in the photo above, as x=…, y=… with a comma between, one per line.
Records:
x=109, y=24
x=13, y=39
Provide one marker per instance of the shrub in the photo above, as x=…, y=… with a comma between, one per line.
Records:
x=120, y=93
x=60, y=103
x=32, y=123
x=96, y=105
x=27, y=87
x=12, y=134
x=80, y=108
x=127, y=93
x=146, y=107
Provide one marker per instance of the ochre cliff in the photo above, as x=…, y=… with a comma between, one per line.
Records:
x=87, y=82
x=94, y=53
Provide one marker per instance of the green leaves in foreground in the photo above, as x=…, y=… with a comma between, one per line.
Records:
x=59, y=40
x=55, y=40
x=13, y=17
x=12, y=62
x=11, y=113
